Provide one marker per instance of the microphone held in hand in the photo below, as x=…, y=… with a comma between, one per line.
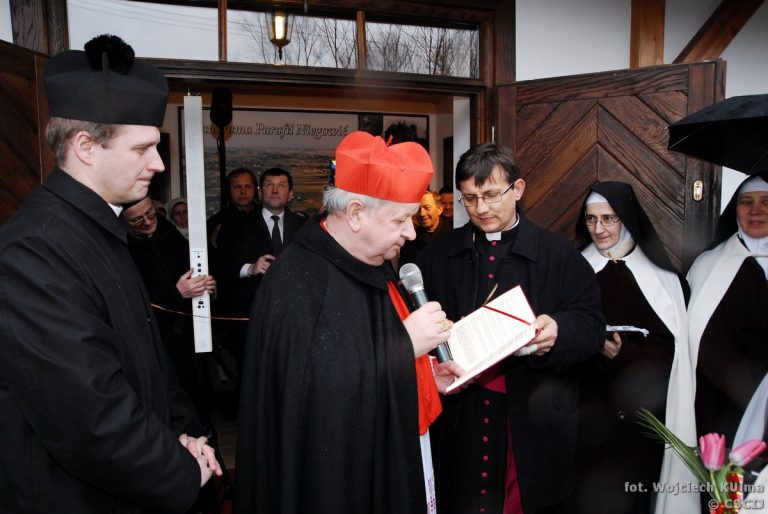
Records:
x=410, y=275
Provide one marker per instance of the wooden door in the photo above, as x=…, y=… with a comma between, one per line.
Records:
x=23, y=116
x=570, y=132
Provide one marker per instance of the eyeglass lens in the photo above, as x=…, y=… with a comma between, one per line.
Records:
x=489, y=197
x=149, y=216
x=606, y=220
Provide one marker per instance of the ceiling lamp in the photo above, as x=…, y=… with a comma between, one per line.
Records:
x=280, y=28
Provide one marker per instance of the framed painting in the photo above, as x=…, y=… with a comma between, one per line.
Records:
x=303, y=142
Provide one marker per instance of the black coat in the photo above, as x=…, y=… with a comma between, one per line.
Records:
x=541, y=394
x=329, y=414
x=87, y=418
x=161, y=260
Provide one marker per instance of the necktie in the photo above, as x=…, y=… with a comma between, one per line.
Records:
x=277, y=242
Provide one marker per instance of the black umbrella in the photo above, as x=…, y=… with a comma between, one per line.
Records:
x=732, y=133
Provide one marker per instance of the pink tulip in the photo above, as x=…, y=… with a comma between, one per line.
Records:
x=745, y=452
x=712, y=451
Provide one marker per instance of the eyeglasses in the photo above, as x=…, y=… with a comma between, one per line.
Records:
x=138, y=220
x=488, y=198
x=606, y=220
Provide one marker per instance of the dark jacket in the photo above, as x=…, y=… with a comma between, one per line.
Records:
x=243, y=238
x=329, y=415
x=411, y=249
x=161, y=260
x=87, y=417
x=541, y=393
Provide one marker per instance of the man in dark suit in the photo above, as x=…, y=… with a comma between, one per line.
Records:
x=248, y=244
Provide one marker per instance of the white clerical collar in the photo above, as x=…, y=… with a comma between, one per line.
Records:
x=116, y=208
x=496, y=236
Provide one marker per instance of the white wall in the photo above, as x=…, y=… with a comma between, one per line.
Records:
x=6, y=33
x=568, y=37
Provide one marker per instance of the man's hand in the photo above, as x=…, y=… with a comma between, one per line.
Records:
x=261, y=266
x=445, y=373
x=612, y=347
x=547, y=334
x=427, y=327
x=192, y=287
x=205, y=456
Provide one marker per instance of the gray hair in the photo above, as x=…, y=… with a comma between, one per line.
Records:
x=336, y=200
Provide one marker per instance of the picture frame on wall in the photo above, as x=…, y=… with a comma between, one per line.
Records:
x=303, y=142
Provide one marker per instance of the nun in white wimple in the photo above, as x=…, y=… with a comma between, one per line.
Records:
x=640, y=287
x=728, y=311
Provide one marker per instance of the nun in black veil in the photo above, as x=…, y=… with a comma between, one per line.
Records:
x=640, y=288
x=728, y=312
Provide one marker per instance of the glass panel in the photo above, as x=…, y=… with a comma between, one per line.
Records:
x=153, y=30
x=323, y=42
x=424, y=50
x=6, y=30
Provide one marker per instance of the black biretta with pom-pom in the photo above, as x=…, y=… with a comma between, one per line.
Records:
x=105, y=84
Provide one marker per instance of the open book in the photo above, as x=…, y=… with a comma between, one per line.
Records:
x=491, y=333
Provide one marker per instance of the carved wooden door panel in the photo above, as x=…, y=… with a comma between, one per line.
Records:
x=570, y=132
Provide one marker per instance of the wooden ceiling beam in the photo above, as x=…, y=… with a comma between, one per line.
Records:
x=646, y=40
x=456, y=11
x=719, y=30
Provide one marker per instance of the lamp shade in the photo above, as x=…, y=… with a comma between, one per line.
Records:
x=280, y=27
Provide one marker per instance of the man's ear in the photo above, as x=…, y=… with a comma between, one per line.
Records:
x=83, y=146
x=519, y=189
x=354, y=215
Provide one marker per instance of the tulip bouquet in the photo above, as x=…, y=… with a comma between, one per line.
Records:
x=724, y=481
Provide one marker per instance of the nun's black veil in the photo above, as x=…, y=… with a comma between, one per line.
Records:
x=726, y=223
x=623, y=200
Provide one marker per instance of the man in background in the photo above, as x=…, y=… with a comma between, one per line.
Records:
x=430, y=226
x=248, y=244
x=88, y=410
x=446, y=201
x=161, y=255
x=242, y=192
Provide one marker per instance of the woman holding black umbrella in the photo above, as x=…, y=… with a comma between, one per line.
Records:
x=728, y=311
x=641, y=288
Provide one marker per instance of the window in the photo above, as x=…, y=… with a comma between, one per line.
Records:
x=182, y=32
x=152, y=29
x=422, y=49
x=315, y=41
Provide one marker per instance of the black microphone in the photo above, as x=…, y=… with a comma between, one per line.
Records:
x=410, y=275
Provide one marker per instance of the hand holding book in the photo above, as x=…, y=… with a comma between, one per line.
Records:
x=492, y=333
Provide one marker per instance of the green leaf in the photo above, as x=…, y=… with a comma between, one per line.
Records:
x=688, y=454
